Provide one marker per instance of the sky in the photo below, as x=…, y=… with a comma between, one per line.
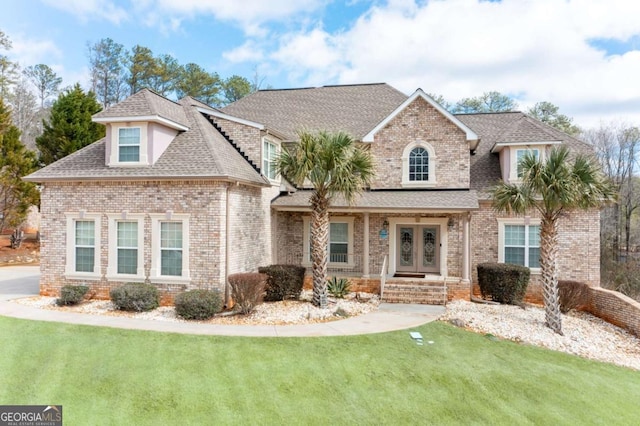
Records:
x=582, y=55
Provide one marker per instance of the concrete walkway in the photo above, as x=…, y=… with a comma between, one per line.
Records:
x=21, y=281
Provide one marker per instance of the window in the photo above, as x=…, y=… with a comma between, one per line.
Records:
x=129, y=144
x=170, y=247
x=83, y=246
x=269, y=152
x=340, y=247
x=418, y=165
x=126, y=238
x=520, y=243
x=520, y=153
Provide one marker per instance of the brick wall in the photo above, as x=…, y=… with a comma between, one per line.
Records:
x=421, y=122
x=616, y=308
x=204, y=201
x=246, y=137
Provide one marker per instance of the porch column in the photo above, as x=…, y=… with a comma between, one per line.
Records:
x=466, y=250
x=365, y=249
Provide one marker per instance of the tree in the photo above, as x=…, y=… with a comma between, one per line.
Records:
x=8, y=69
x=25, y=112
x=488, y=102
x=106, y=59
x=553, y=188
x=194, y=81
x=549, y=114
x=164, y=80
x=16, y=195
x=69, y=127
x=142, y=67
x=334, y=165
x=45, y=80
x=236, y=87
x=441, y=100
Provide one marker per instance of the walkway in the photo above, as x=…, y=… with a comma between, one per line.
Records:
x=22, y=281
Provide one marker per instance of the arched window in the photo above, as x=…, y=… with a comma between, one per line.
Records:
x=418, y=165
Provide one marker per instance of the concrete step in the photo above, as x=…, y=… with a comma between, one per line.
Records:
x=412, y=292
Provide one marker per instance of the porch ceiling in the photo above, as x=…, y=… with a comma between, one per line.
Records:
x=432, y=200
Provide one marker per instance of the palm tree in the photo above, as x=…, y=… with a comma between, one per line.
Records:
x=552, y=188
x=332, y=164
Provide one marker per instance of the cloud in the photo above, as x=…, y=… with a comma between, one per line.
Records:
x=87, y=10
x=28, y=52
x=459, y=48
x=250, y=51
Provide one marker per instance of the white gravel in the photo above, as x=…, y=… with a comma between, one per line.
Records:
x=584, y=335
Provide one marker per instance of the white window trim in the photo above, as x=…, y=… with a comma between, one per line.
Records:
x=277, y=146
x=154, y=272
x=406, y=183
x=114, y=158
x=501, y=234
x=70, y=264
x=112, y=267
x=306, y=250
x=513, y=158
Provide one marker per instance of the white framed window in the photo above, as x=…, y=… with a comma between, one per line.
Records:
x=340, y=248
x=269, y=152
x=516, y=156
x=519, y=242
x=126, y=247
x=83, y=246
x=170, y=247
x=418, y=165
x=128, y=144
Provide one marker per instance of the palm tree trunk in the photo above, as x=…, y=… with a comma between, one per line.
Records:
x=319, y=244
x=549, y=267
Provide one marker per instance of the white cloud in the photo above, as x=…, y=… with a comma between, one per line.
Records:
x=250, y=51
x=87, y=10
x=31, y=52
x=534, y=50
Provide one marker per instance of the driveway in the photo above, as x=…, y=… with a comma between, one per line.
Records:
x=19, y=281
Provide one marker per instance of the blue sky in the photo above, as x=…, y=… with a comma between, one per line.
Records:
x=584, y=55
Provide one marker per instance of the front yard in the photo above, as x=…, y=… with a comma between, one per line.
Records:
x=112, y=376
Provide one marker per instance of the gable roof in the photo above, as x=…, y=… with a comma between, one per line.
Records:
x=355, y=109
x=471, y=135
x=202, y=152
x=145, y=105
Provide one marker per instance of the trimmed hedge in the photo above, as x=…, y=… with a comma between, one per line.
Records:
x=71, y=295
x=198, y=304
x=283, y=282
x=503, y=282
x=573, y=295
x=247, y=290
x=137, y=297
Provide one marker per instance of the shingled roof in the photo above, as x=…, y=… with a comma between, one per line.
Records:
x=199, y=153
x=355, y=109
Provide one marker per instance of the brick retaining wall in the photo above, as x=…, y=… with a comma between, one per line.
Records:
x=616, y=308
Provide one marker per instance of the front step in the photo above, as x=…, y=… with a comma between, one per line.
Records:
x=419, y=292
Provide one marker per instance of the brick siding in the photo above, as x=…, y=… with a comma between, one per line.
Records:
x=616, y=308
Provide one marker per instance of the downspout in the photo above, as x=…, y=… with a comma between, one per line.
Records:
x=227, y=236
x=467, y=242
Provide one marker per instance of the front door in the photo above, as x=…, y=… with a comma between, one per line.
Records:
x=418, y=248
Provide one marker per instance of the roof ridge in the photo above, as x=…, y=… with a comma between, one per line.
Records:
x=153, y=92
x=547, y=127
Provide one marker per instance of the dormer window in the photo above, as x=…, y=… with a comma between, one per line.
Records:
x=519, y=156
x=129, y=144
x=269, y=153
x=418, y=165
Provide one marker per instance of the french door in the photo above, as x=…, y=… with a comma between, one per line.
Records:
x=418, y=248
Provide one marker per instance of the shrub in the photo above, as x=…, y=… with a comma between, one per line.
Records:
x=283, y=282
x=338, y=287
x=71, y=294
x=137, y=297
x=247, y=290
x=198, y=304
x=503, y=282
x=573, y=295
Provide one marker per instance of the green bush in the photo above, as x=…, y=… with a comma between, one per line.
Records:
x=338, y=287
x=573, y=295
x=198, y=304
x=283, y=282
x=71, y=294
x=247, y=290
x=137, y=297
x=503, y=282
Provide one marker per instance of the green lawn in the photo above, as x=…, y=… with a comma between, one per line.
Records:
x=112, y=376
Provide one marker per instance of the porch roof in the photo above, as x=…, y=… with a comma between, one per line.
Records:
x=384, y=201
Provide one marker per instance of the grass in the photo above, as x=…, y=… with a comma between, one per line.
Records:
x=113, y=376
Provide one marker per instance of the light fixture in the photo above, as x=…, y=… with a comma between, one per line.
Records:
x=450, y=224
x=385, y=224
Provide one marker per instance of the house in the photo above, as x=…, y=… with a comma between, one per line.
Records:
x=180, y=194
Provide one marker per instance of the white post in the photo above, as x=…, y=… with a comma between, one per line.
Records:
x=466, y=250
